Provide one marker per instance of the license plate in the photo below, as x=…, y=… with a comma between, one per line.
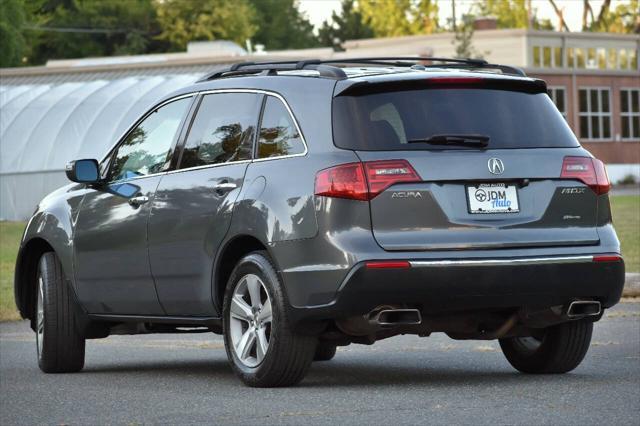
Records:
x=493, y=198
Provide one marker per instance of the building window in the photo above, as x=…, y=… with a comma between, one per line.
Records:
x=624, y=59
x=628, y=59
x=557, y=57
x=630, y=113
x=598, y=58
x=602, y=58
x=591, y=58
x=580, y=59
x=613, y=59
x=536, y=57
x=558, y=96
x=595, y=113
x=547, y=57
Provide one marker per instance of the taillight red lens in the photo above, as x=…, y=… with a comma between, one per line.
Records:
x=363, y=181
x=343, y=181
x=455, y=80
x=383, y=174
x=602, y=179
x=590, y=171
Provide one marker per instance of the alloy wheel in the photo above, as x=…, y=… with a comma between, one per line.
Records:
x=250, y=320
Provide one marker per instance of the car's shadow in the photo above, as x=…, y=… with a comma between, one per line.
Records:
x=341, y=373
x=352, y=374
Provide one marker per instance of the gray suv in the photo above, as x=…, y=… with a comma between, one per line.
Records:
x=299, y=206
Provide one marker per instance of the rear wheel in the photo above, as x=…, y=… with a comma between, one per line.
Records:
x=263, y=349
x=60, y=345
x=557, y=349
x=324, y=352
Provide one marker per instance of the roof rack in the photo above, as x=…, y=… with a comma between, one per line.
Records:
x=326, y=70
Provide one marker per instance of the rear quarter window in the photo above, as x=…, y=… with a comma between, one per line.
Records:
x=279, y=136
x=388, y=120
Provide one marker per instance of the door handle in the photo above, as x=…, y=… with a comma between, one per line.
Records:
x=224, y=186
x=138, y=201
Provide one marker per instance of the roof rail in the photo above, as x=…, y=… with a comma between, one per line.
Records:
x=410, y=61
x=251, y=68
x=326, y=70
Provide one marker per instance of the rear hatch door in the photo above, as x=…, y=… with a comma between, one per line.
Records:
x=507, y=193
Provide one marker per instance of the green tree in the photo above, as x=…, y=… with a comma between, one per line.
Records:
x=281, y=25
x=463, y=39
x=625, y=18
x=349, y=24
x=12, y=42
x=392, y=18
x=425, y=17
x=183, y=21
x=81, y=28
x=510, y=14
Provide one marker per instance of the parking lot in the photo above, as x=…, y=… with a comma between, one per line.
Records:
x=185, y=379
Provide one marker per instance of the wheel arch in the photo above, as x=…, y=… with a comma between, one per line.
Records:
x=26, y=272
x=229, y=256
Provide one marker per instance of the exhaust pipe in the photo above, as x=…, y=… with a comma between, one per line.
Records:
x=583, y=308
x=395, y=317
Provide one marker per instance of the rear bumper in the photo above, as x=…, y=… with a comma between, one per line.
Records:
x=438, y=286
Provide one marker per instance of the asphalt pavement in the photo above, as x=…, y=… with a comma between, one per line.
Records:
x=185, y=379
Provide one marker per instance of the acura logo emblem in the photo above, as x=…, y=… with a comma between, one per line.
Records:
x=496, y=166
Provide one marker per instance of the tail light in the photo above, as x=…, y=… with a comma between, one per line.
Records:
x=363, y=181
x=343, y=181
x=383, y=174
x=590, y=171
x=455, y=80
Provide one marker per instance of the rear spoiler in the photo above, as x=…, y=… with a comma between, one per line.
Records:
x=359, y=88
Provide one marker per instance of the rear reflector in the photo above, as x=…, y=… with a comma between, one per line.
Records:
x=607, y=258
x=363, y=181
x=388, y=264
x=590, y=171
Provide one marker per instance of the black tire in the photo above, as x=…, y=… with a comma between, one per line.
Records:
x=324, y=352
x=289, y=354
x=559, y=349
x=60, y=347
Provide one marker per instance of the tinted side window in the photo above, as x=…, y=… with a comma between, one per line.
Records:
x=278, y=133
x=147, y=148
x=223, y=129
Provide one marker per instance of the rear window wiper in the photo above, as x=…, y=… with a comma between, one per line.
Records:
x=463, y=140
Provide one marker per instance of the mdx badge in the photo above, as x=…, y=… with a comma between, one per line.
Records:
x=573, y=190
x=496, y=166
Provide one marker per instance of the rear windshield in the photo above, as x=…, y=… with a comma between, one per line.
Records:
x=386, y=121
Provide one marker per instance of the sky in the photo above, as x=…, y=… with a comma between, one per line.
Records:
x=320, y=10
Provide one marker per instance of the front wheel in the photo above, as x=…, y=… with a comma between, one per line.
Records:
x=59, y=342
x=263, y=349
x=554, y=350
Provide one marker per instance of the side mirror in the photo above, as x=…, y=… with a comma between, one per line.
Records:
x=83, y=171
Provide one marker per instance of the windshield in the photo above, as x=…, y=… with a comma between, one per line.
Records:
x=397, y=120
